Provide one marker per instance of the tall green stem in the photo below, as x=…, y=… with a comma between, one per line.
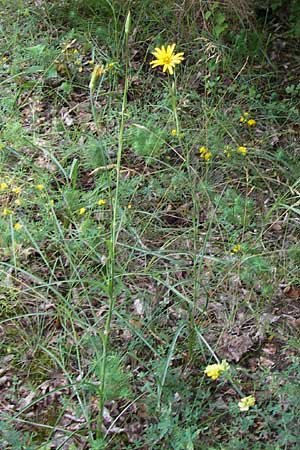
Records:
x=192, y=308
x=113, y=242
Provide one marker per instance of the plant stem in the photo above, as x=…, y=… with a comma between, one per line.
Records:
x=113, y=243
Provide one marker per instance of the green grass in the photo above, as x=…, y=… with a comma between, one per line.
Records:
x=110, y=311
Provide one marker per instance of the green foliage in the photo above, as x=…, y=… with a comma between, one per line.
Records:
x=117, y=379
x=234, y=211
x=148, y=141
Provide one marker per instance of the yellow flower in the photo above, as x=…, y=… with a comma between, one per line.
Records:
x=214, y=371
x=18, y=226
x=16, y=190
x=3, y=186
x=246, y=114
x=251, y=122
x=82, y=211
x=205, y=153
x=173, y=132
x=246, y=402
x=129, y=206
x=40, y=187
x=242, y=119
x=243, y=150
x=17, y=202
x=236, y=248
x=101, y=202
x=80, y=69
x=166, y=58
x=7, y=212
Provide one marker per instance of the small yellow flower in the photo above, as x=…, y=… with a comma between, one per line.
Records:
x=51, y=202
x=101, y=202
x=251, y=122
x=236, y=248
x=16, y=190
x=91, y=62
x=214, y=371
x=82, y=211
x=242, y=119
x=7, y=212
x=111, y=65
x=242, y=149
x=18, y=226
x=80, y=69
x=40, y=187
x=166, y=58
x=17, y=202
x=75, y=51
x=129, y=206
x=246, y=402
x=3, y=186
x=246, y=114
x=205, y=153
x=173, y=132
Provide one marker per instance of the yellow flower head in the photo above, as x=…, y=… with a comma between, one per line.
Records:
x=40, y=187
x=205, y=153
x=82, y=211
x=242, y=149
x=246, y=402
x=251, y=123
x=242, y=119
x=18, y=226
x=16, y=190
x=166, y=58
x=101, y=202
x=236, y=248
x=174, y=132
x=3, y=186
x=18, y=202
x=7, y=212
x=214, y=371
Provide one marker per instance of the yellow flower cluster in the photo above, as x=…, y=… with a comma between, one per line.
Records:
x=205, y=153
x=246, y=119
x=246, y=402
x=214, y=371
x=236, y=248
x=7, y=212
x=228, y=151
x=18, y=226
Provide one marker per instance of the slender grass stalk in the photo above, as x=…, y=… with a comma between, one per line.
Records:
x=191, y=176
x=113, y=241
